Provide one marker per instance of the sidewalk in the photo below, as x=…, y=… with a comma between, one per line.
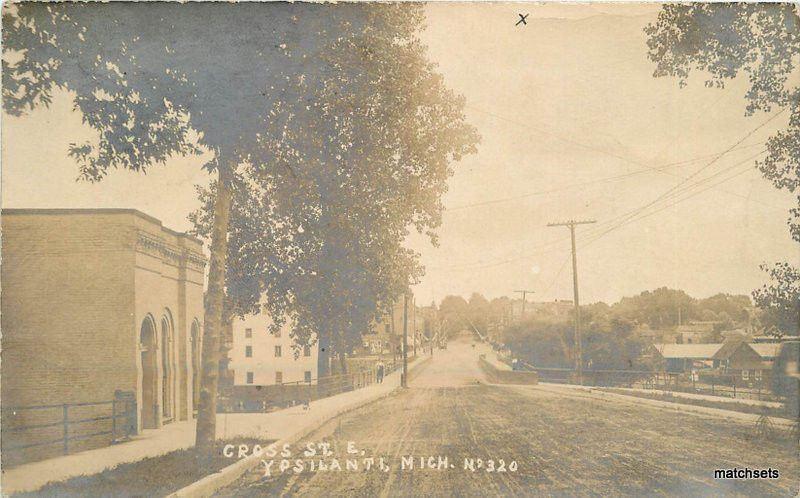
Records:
x=491, y=356
x=153, y=442
x=700, y=411
x=705, y=397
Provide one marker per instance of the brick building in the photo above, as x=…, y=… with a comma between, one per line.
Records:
x=97, y=301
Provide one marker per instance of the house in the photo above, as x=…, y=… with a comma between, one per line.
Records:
x=688, y=357
x=768, y=351
x=739, y=357
x=734, y=357
x=98, y=305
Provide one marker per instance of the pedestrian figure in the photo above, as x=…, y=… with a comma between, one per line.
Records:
x=380, y=372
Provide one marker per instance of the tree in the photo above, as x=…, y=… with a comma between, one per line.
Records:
x=780, y=299
x=541, y=343
x=362, y=158
x=141, y=78
x=608, y=343
x=478, y=313
x=453, y=311
x=734, y=306
x=659, y=308
x=760, y=41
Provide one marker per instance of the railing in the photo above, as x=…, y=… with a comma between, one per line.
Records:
x=716, y=384
x=31, y=426
x=306, y=391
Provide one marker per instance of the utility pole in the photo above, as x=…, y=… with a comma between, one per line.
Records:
x=404, y=382
x=579, y=353
x=524, y=293
x=414, y=323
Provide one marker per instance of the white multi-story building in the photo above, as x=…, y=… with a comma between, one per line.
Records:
x=260, y=358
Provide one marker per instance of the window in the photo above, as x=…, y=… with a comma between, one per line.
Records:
x=306, y=350
x=248, y=351
x=279, y=377
x=388, y=329
x=277, y=351
x=745, y=374
x=757, y=374
x=249, y=377
x=248, y=333
x=307, y=376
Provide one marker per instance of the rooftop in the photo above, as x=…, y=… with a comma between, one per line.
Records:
x=767, y=350
x=93, y=211
x=691, y=351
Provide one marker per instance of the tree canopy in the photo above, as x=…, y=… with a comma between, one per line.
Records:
x=759, y=41
x=724, y=40
x=160, y=79
x=779, y=299
x=344, y=173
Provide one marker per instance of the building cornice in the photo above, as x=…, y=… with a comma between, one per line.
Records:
x=150, y=244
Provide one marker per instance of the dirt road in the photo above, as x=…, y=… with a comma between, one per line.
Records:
x=559, y=445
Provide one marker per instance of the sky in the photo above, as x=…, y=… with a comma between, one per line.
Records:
x=573, y=126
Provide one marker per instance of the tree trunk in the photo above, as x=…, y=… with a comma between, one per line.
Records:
x=323, y=358
x=342, y=363
x=212, y=322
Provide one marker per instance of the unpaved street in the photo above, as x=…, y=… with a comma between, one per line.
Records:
x=560, y=445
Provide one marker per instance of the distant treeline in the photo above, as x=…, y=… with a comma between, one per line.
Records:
x=610, y=340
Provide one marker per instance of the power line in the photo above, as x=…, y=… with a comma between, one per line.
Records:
x=706, y=166
x=633, y=215
x=694, y=194
x=600, y=227
x=659, y=169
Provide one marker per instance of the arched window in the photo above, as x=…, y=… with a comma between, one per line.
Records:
x=148, y=351
x=167, y=368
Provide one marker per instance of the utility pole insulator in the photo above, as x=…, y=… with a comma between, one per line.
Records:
x=524, y=294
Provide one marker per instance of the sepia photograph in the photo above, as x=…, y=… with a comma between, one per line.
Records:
x=400, y=249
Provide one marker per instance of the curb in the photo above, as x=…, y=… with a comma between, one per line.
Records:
x=210, y=484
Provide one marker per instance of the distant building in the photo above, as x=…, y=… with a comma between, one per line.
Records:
x=731, y=357
x=385, y=335
x=739, y=334
x=774, y=338
x=98, y=302
x=657, y=336
x=696, y=332
x=558, y=308
x=260, y=358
